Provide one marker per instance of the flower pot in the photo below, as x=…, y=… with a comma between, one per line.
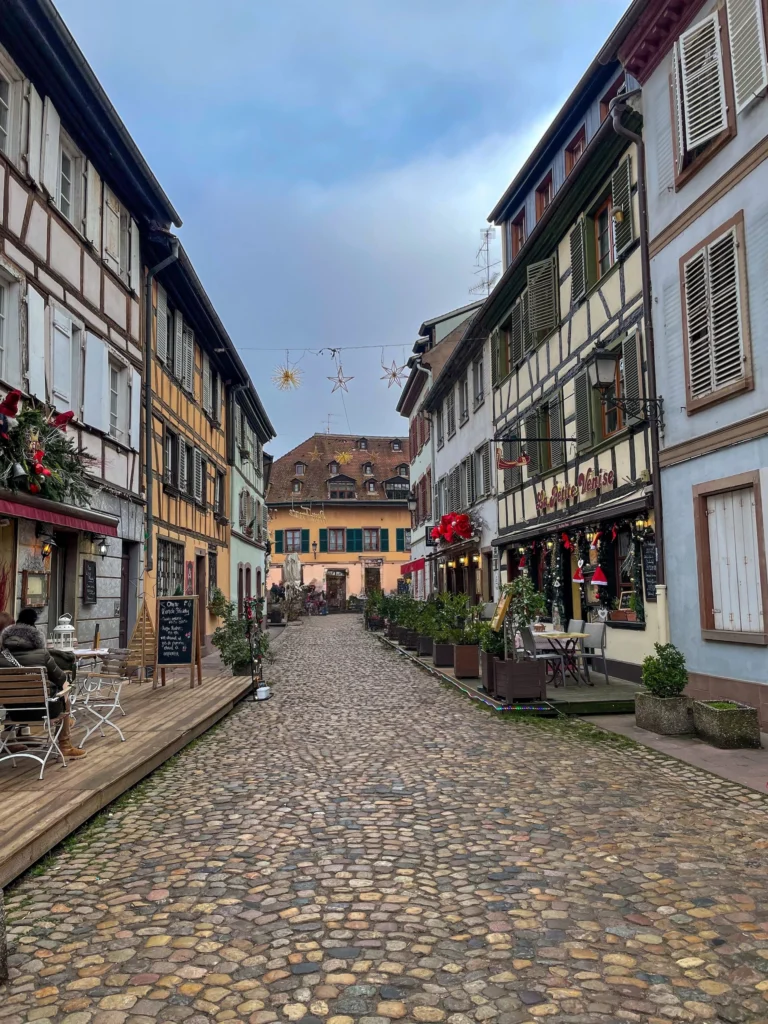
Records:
x=466, y=661
x=243, y=669
x=486, y=671
x=424, y=646
x=411, y=639
x=519, y=680
x=391, y=631
x=400, y=635
x=275, y=616
x=442, y=655
x=729, y=728
x=668, y=716
x=375, y=623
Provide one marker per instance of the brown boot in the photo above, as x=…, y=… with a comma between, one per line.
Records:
x=69, y=751
x=66, y=745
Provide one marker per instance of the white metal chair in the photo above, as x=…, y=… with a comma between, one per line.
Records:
x=98, y=697
x=592, y=647
x=24, y=693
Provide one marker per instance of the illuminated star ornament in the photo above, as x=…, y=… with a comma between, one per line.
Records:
x=315, y=455
x=287, y=377
x=342, y=457
x=340, y=381
x=394, y=374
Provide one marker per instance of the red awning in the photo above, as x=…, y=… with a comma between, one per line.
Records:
x=409, y=567
x=42, y=515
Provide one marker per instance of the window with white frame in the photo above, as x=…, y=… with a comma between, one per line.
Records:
x=478, y=383
x=70, y=189
x=65, y=359
x=120, y=242
x=463, y=400
x=10, y=110
x=5, y=114
x=119, y=404
x=170, y=568
x=450, y=407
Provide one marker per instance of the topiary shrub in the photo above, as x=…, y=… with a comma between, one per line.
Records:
x=665, y=674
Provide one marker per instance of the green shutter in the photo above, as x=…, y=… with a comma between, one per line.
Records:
x=305, y=542
x=532, y=446
x=354, y=540
x=542, y=299
x=633, y=376
x=384, y=540
x=578, y=244
x=621, y=199
x=516, y=332
x=583, y=396
x=556, y=430
x=278, y=542
x=512, y=477
x=400, y=539
x=323, y=540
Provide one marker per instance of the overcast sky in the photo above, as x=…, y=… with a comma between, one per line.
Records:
x=334, y=161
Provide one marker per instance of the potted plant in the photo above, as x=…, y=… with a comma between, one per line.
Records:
x=442, y=648
x=491, y=647
x=231, y=638
x=374, y=617
x=727, y=724
x=661, y=707
x=514, y=678
x=466, y=651
x=217, y=605
x=450, y=612
x=424, y=626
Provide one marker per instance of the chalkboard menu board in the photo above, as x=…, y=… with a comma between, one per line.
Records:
x=649, y=571
x=89, y=583
x=176, y=624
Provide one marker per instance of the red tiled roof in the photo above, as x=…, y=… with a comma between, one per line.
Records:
x=318, y=451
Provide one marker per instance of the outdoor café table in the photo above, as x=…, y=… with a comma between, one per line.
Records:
x=564, y=643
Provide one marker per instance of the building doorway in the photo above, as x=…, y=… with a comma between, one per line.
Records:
x=200, y=590
x=372, y=579
x=336, y=590
x=64, y=576
x=125, y=590
x=7, y=565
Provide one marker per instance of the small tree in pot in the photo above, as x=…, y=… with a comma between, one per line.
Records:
x=491, y=647
x=466, y=650
x=514, y=677
x=231, y=638
x=661, y=707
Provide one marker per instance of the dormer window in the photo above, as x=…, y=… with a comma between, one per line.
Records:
x=297, y=486
x=368, y=469
x=397, y=488
x=333, y=468
x=396, y=446
x=545, y=193
x=362, y=444
x=402, y=470
x=371, y=486
x=300, y=469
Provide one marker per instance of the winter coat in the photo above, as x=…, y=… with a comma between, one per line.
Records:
x=27, y=646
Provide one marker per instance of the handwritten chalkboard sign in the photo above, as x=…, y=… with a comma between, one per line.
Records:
x=176, y=631
x=89, y=583
x=649, y=571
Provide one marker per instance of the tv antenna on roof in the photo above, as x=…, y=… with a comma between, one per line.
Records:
x=328, y=417
x=485, y=265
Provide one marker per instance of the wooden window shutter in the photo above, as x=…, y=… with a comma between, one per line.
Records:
x=278, y=542
x=746, y=34
x=399, y=539
x=621, y=199
x=93, y=202
x=305, y=542
x=495, y=341
x=578, y=245
x=161, y=314
x=189, y=361
x=456, y=484
x=198, y=464
x=178, y=346
x=697, y=325
x=323, y=540
x=384, y=540
x=241, y=509
x=725, y=309
x=532, y=446
x=542, y=299
x=512, y=477
x=135, y=262
x=583, y=395
x=679, y=113
x=525, y=318
x=701, y=66
x=183, y=481
x=734, y=561
x=633, y=376
x=207, y=402
x=516, y=339
x=487, y=484
x=49, y=168
x=556, y=431
x=111, y=230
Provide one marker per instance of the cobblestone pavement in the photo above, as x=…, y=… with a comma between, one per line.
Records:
x=370, y=847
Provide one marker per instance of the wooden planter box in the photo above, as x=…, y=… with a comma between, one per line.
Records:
x=400, y=634
x=667, y=716
x=411, y=639
x=424, y=647
x=466, y=661
x=730, y=728
x=375, y=623
x=519, y=680
x=391, y=631
x=442, y=655
x=486, y=671
x=622, y=615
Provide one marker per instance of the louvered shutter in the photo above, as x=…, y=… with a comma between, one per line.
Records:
x=487, y=479
x=49, y=170
x=241, y=514
x=456, y=485
x=183, y=479
x=278, y=542
x=495, y=336
x=734, y=560
x=189, y=361
x=525, y=317
x=207, y=398
x=463, y=487
x=198, y=464
x=93, y=202
x=556, y=431
x=583, y=396
x=633, y=376
x=305, y=542
x=512, y=477
x=34, y=133
x=384, y=540
x=178, y=346
x=542, y=299
x=725, y=310
x=135, y=263
x=516, y=333
x=399, y=539
x=161, y=342
x=679, y=113
x=578, y=246
x=111, y=230
x=532, y=446
x=697, y=322
x=621, y=199
x=471, y=483
x=323, y=541
x=746, y=34
x=701, y=65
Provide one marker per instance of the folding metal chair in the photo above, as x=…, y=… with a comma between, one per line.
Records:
x=24, y=692
x=98, y=696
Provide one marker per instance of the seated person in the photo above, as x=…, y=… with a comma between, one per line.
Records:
x=26, y=645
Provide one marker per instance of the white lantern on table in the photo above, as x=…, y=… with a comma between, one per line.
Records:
x=64, y=634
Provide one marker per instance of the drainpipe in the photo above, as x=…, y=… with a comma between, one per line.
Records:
x=149, y=561
x=617, y=108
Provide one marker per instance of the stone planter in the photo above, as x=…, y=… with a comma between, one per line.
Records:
x=668, y=716
x=486, y=671
x=424, y=647
x=442, y=655
x=519, y=680
x=411, y=639
x=466, y=661
x=729, y=728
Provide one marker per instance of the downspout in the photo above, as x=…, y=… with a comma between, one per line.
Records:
x=617, y=107
x=149, y=561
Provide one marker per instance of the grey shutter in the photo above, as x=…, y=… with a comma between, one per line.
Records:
x=198, y=463
x=556, y=431
x=456, y=489
x=746, y=34
x=49, y=171
x=525, y=318
x=725, y=312
x=532, y=446
x=34, y=133
x=516, y=333
x=161, y=342
x=583, y=396
x=96, y=392
x=621, y=199
x=696, y=285
x=436, y=502
x=178, y=346
x=93, y=207
x=578, y=244
x=183, y=465
x=189, y=361
x=512, y=477
x=134, y=427
x=633, y=376
x=701, y=65
x=542, y=299
x=207, y=401
x=135, y=264
x=495, y=335
x=487, y=479
x=111, y=230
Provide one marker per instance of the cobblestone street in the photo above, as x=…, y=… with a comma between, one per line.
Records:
x=368, y=846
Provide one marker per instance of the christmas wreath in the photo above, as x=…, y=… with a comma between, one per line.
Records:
x=38, y=456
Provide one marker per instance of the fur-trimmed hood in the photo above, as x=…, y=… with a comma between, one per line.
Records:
x=21, y=637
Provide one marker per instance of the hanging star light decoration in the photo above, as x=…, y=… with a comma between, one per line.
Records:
x=287, y=377
x=340, y=381
x=315, y=455
x=342, y=457
x=394, y=374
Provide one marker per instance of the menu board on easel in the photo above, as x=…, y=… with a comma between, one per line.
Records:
x=178, y=637
x=501, y=612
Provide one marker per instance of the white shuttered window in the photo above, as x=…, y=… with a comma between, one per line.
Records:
x=703, y=85
x=713, y=316
x=733, y=548
x=747, y=39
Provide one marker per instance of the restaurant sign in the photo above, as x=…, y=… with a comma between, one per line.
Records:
x=586, y=484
